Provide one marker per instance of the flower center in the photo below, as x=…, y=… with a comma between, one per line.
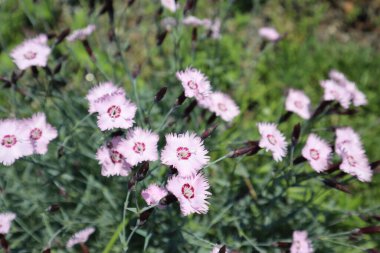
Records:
x=35, y=134
x=192, y=85
x=183, y=153
x=116, y=157
x=222, y=107
x=188, y=191
x=272, y=140
x=298, y=104
x=139, y=147
x=114, y=111
x=9, y=140
x=30, y=55
x=351, y=161
x=314, y=154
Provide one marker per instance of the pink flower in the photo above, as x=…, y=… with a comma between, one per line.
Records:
x=194, y=82
x=169, y=4
x=346, y=137
x=192, y=21
x=215, y=29
x=185, y=152
x=355, y=162
x=115, y=111
x=301, y=244
x=299, y=103
x=153, y=194
x=99, y=92
x=81, y=34
x=40, y=132
x=272, y=140
x=140, y=145
x=112, y=161
x=32, y=52
x=6, y=222
x=14, y=141
x=80, y=237
x=222, y=105
x=269, y=33
x=191, y=193
x=334, y=91
x=337, y=76
x=317, y=152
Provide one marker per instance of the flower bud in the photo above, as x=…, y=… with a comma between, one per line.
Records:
x=296, y=134
x=208, y=132
x=160, y=94
x=180, y=99
x=168, y=199
x=145, y=215
x=335, y=184
x=190, y=108
x=161, y=37
x=62, y=36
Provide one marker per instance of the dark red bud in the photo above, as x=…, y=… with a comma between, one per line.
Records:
x=141, y=173
x=251, y=149
x=335, y=184
x=7, y=83
x=48, y=250
x=285, y=117
x=284, y=245
x=321, y=107
x=144, y=216
x=190, y=108
x=299, y=160
x=194, y=35
x=84, y=248
x=208, y=132
x=296, y=134
x=88, y=48
x=34, y=71
x=62, y=36
x=180, y=99
x=369, y=230
x=211, y=119
x=223, y=249
x=190, y=4
x=161, y=37
x=160, y=94
x=375, y=166
x=4, y=243
x=168, y=199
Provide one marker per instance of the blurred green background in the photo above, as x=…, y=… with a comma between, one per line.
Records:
x=319, y=36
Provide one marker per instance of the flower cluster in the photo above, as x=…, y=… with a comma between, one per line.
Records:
x=24, y=137
x=196, y=85
x=6, y=222
x=301, y=243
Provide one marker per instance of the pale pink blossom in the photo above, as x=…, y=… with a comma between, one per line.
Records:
x=169, y=4
x=153, y=194
x=14, y=141
x=40, y=132
x=346, y=137
x=269, y=33
x=80, y=237
x=6, y=222
x=301, y=243
x=112, y=161
x=272, y=140
x=168, y=23
x=355, y=162
x=222, y=105
x=140, y=145
x=193, y=21
x=194, y=83
x=335, y=92
x=337, y=76
x=115, y=111
x=215, y=29
x=31, y=52
x=299, y=103
x=191, y=193
x=185, y=152
x=317, y=152
x=81, y=34
x=99, y=92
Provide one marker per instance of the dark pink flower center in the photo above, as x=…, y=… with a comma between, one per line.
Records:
x=298, y=104
x=35, y=134
x=314, y=154
x=272, y=140
x=116, y=157
x=351, y=161
x=114, y=111
x=139, y=147
x=8, y=140
x=183, y=153
x=30, y=55
x=222, y=107
x=192, y=85
x=188, y=191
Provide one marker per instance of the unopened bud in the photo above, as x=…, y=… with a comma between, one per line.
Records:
x=62, y=36
x=190, y=108
x=180, y=99
x=161, y=37
x=211, y=119
x=160, y=94
x=168, y=199
x=296, y=134
x=141, y=173
x=144, y=216
x=335, y=184
x=208, y=132
x=285, y=117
